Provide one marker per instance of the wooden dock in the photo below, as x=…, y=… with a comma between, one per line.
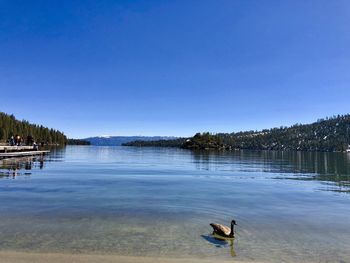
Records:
x=6, y=148
x=19, y=151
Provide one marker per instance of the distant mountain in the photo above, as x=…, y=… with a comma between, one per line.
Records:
x=119, y=140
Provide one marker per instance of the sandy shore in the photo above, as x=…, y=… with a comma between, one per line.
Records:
x=22, y=257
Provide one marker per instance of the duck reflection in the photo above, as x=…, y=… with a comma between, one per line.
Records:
x=221, y=242
x=14, y=166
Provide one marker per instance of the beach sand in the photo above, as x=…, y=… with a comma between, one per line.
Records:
x=23, y=257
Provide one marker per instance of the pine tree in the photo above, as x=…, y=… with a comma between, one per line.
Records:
x=10, y=126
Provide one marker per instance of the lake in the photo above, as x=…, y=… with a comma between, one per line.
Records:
x=289, y=206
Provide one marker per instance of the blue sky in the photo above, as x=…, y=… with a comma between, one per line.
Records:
x=173, y=67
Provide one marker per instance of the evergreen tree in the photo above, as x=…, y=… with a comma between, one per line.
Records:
x=10, y=126
x=329, y=134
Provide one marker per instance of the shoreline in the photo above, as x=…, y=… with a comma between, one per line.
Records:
x=29, y=257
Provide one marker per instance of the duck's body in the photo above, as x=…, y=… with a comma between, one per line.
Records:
x=224, y=231
x=221, y=229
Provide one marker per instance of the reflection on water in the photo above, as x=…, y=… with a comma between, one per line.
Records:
x=13, y=167
x=332, y=169
x=159, y=202
x=221, y=243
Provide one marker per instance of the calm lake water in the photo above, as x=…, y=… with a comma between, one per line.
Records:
x=289, y=206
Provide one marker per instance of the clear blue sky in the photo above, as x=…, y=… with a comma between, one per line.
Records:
x=173, y=67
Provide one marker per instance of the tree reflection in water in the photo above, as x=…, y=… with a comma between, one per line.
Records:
x=331, y=169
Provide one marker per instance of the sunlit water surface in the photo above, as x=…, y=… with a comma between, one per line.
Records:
x=290, y=207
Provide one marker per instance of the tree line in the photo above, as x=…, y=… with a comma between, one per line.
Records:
x=10, y=126
x=157, y=143
x=329, y=134
x=77, y=142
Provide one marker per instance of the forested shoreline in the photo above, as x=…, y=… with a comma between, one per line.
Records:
x=77, y=142
x=329, y=134
x=157, y=143
x=10, y=126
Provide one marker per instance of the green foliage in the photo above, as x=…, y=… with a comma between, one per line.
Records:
x=158, y=143
x=77, y=142
x=204, y=141
x=10, y=126
x=330, y=134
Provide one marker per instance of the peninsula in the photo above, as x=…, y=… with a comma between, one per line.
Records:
x=329, y=135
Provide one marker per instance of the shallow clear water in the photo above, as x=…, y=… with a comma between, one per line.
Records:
x=290, y=207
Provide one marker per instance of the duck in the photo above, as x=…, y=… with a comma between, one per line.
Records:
x=224, y=231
